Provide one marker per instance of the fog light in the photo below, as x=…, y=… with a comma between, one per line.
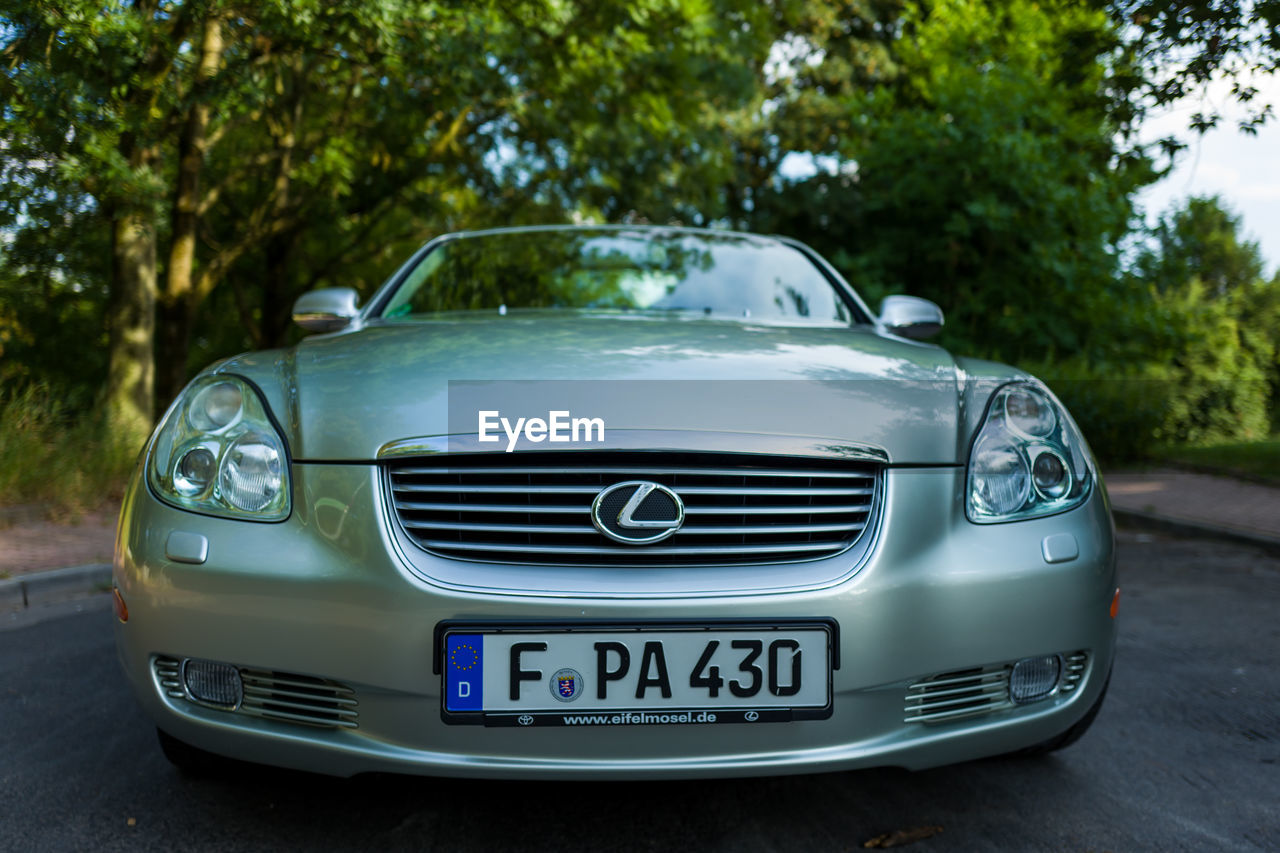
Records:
x=1034, y=678
x=212, y=683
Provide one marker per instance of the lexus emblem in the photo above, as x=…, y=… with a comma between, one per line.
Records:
x=637, y=512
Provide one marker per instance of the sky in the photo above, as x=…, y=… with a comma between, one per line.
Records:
x=1243, y=170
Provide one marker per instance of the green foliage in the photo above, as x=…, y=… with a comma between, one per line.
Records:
x=1198, y=260
x=1259, y=316
x=1196, y=361
x=968, y=151
x=310, y=144
x=1119, y=407
x=1200, y=242
x=1220, y=388
x=1254, y=459
x=67, y=459
x=987, y=179
x=52, y=297
x=1183, y=45
x=1186, y=377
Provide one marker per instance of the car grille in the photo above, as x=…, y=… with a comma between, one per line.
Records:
x=536, y=507
x=282, y=696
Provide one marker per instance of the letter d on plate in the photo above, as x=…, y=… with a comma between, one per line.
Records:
x=464, y=672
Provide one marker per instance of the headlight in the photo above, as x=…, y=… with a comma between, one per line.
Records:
x=1028, y=458
x=217, y=451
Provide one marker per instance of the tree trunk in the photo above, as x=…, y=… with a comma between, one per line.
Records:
x=130, y=390
x=178, y=299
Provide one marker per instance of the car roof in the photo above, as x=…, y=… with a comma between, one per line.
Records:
x=656, y=229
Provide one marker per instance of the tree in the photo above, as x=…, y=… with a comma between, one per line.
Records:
x=261, y=146
x=1211, y=284
x=985, y=176
x=1178, y=46
x=1201, y=241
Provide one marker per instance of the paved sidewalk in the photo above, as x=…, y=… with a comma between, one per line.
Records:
x=1213, y=503
x=37, y=544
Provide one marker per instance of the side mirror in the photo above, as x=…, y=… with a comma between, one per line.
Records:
x=326, y=310
x=910, y=317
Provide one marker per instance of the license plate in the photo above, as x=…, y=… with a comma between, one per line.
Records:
x=611, y=676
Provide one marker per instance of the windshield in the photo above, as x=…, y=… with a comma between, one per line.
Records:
x=709, y=274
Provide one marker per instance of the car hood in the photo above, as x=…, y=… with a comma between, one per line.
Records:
x=347, y=396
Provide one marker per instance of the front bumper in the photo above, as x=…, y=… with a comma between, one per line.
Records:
x=326, y=594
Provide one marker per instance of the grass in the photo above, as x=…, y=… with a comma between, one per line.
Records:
x=67, y=461
x=1254, y=459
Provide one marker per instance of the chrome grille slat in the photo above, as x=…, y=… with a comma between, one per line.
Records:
x=514, y=488
x=411, y=506
x=455, y=507
x=269, y=701
x=168, y=675
x=579, y=530
x=651, y=549
x=332, y=699
x=286, y=681
x=1073, y=671
x=816, y=509
x=969, y=699
x=566, y=529
x=645, y=472
x=298, y=718
x=946, y=716
x=929, y=698
x=771, y=509
x=517, y=488
x=927, y=686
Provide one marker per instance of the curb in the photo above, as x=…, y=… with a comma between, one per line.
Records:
x=39, y=588
x=1181, y=527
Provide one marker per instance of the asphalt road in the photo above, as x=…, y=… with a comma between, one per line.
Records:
x=1183, y=756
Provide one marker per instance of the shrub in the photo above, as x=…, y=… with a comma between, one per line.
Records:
x=1185, y=374
x=69, y=461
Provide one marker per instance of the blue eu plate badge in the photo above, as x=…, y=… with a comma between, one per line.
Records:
x=464, y=672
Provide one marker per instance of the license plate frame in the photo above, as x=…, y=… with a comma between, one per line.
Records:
x=639, y=714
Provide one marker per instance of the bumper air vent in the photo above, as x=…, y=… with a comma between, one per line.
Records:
x=281, y=696
x=962, y=693
x=980, y=690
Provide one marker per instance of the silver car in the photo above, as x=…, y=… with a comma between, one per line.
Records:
x=614, y=503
